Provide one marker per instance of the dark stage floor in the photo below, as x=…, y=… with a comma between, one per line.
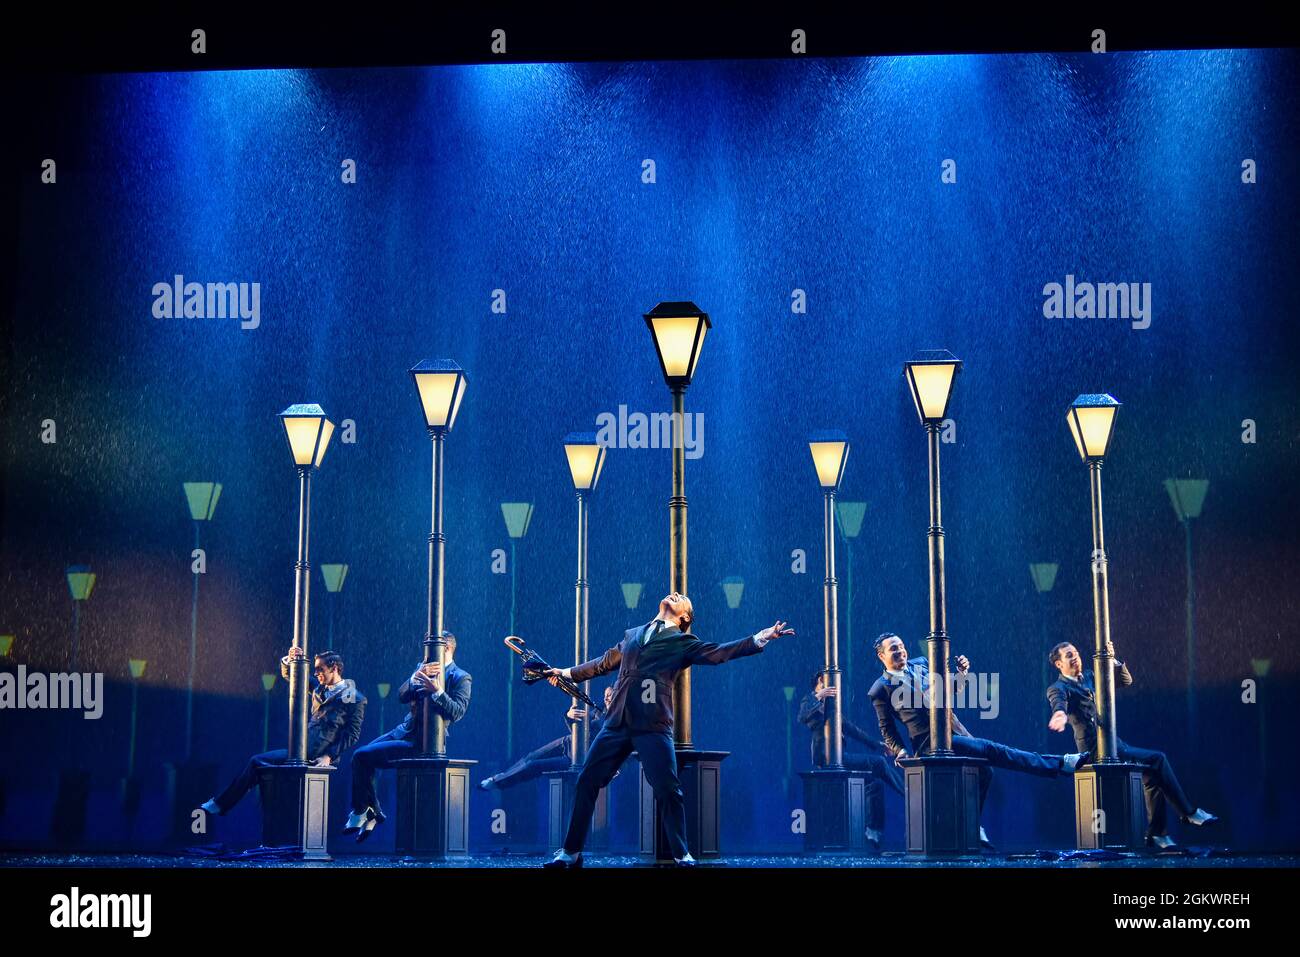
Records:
x=1204, y=857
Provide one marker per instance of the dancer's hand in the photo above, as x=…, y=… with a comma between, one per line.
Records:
x=1058, y=721
x=963, y=664
x=826, y=691
x=778, y=630
x=576, y=713
x=899, y=757
x=322, y=762
x=296, y=652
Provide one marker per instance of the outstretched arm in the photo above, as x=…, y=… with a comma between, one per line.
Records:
x=603, y=665
x=712, y=653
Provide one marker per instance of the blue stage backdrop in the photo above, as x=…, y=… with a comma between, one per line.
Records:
x=833, y=217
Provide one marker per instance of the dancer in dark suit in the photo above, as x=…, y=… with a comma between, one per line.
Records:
x=901, y=695
x=337, y=710
x=449, y=691
x=881, y=771
x=553, y=756
x=648, y=660
x=1072, y=699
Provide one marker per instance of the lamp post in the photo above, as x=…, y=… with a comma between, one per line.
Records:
x=678, y=330
x=383, y=688
x=136, y=666
x=850, y=516
x=518, y=516
x=268, y=683
x=1187, y=496
x=788, y=693
x=586, y=458
x=81, y=582
x=835, y=821
x=1106, y=814
x=943, y=788
x=333, y=576
x=1044, y=577
x=295, y=795
x=431, y=822
x=308, y=433
x=201, y=497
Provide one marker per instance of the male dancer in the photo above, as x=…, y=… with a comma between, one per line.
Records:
x=900, y=694
x=337, y=710
x=812, y=714
x=449, y=689
x=552, y=756
x=640, y=718
x=1072, y=699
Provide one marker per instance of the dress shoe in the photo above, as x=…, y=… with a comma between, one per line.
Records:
x=488, y=783
x=985, y=844
x=210, y=806
x=1069, y=762
x=686, y=861
x=372, y=819
x=1160, y=841
x=564, y=861
x=1200, y=817
x=355, y=820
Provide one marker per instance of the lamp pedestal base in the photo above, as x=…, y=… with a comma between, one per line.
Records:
x=700, y=773
x=1109, y=808
x=560, y=787
x=433, y=807
x=835, y=805
x=295, y=808
x=943, y=806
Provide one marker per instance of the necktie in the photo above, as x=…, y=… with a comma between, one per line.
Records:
x=652, y=632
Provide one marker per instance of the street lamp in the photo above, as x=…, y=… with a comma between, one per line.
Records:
x=942, y=787
x=201, y=497
x=333, y=575
x=586, y=458
x=678, y=329
x=136, y=666
x=6, y=645
x=1104, y=790
x=432, y=811
x=268, y=683
x=383, y=688
x=930, y=378
x=1044, y=577
x=81, y=581
x=830, y=452
x=441, y=385
x=849, y=516
x=308, y=433
x=518, y=516
x=1187, y=496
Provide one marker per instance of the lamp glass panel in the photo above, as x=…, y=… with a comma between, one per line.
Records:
x=302, y=431
x=675, y=338
x=327, y=431
x=1094, y=427
x=829, y=457
x=460, y=394
x=383, y=688
x=268, y=681
x=734, y=589
x=334, y=576
x=584, y=463
x=850, y=515
x=437, y=392
x=517, y=516
x=632, y=594
x=137, y=667
x=1074, y=433
x=6, y=645
x=704, y=331
x=932, y=383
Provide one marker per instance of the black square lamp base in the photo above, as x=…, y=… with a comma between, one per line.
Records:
x=835, y=808
x=433, y=807
x=943, y=806
x=295, y=809
x=700, y=773
x=560, y=787
x=1109, y=807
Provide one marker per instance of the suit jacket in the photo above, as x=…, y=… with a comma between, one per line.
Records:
x=908, y=709
x=658, y=663
x=812, y=714
x=452, y=702
x=337, y=713
x=1079, y=702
